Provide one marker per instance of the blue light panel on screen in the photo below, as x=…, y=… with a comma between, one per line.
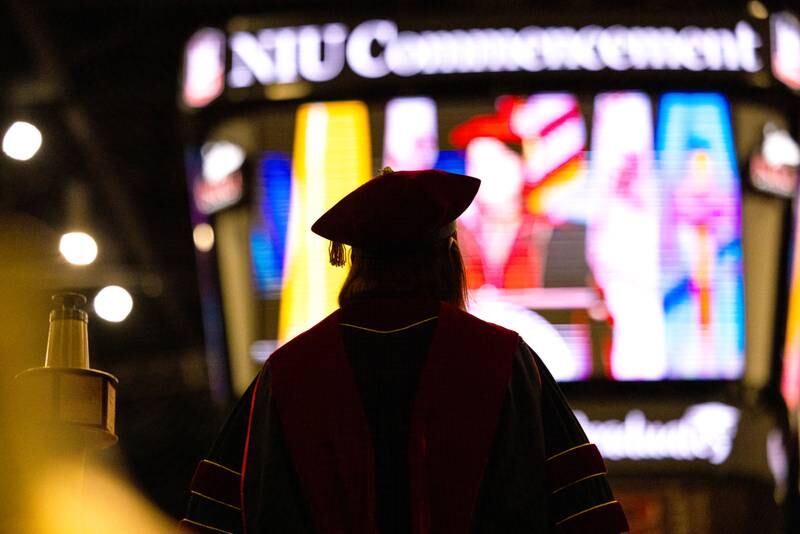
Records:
x=268, y=234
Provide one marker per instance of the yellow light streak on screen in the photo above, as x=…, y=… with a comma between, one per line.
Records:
x=790, y=383
x=332, y=156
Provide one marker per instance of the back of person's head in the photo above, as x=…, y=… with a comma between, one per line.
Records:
x=435, y=271
x=401, y=227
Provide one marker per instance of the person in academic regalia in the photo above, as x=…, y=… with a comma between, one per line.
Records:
x=401, y=412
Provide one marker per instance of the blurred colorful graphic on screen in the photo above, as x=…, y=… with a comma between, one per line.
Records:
x=619, y=259
x=701, y=252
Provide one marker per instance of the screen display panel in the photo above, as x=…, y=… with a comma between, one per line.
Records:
x=606, y=230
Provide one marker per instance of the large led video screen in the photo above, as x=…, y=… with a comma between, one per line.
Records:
x=606, y=230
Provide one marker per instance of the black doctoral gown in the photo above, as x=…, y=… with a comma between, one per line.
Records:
x=540, y=474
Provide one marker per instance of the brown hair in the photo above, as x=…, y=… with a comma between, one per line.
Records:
x=435, y=271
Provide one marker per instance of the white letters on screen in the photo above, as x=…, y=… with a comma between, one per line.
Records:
x=378, y=48
x=704, y=432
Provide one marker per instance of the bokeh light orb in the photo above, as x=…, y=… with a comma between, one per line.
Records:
x=78, y=248
x=203, y=236
x=22, y=141
x=757, y=10
x=113, y=303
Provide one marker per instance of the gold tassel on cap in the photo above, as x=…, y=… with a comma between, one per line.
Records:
x=385, y=170
x=336, y=254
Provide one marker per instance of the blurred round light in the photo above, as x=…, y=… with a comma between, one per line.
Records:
x=78, y=248
x=220, y=159
x=22, y=141
x=779, y=148
x=203, y=235
x=113, y=304
x=757, y=9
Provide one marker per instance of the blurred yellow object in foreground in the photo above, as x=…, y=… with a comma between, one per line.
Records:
x=47, y=486
x=106, y=504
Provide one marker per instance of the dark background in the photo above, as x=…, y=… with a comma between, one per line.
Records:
x=100, y=79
